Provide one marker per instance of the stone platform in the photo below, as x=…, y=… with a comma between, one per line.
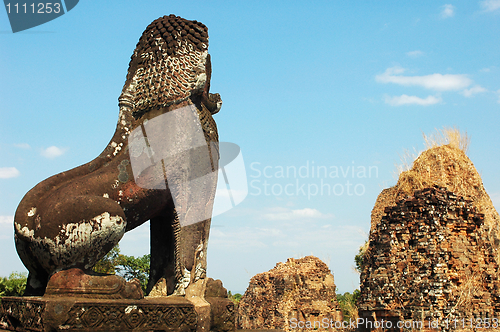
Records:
x=79, y=314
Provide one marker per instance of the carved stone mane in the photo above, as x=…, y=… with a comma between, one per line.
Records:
x=168, y=64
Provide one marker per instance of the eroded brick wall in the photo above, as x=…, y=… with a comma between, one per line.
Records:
x=430, y=258
x=294, y=293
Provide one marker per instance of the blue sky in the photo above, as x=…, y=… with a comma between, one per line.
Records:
x=306, y=86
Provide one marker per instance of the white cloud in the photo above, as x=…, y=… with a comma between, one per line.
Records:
x=53, y=152
x=296, y=214
x=23, y=146
x=411, y=100
x=447, y=11
x=8, y=172
x=474, y=90
x=438, y=82
x=490, y=5
x=415, y=54
x=394, y=71
x=6, y=219
x=485, y=70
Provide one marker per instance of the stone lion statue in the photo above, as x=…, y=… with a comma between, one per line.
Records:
x=160, y=165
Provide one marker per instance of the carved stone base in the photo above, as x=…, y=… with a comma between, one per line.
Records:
x=79, y=314
x=222, y=314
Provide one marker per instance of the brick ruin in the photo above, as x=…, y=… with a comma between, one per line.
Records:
x=430, y=257
x=297, y=290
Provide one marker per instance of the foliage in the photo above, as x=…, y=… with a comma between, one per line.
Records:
x=108, y=263
x=129, y=267
x=236, y=298
x=347, y=303
x=359, y=258
x=14, y=285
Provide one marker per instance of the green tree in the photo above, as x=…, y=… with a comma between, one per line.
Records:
x=14, y=285
x=359, y=259
x=108, y=263
x=348, y=304
x=131, y=267
x=128, y=267
x=236, y=298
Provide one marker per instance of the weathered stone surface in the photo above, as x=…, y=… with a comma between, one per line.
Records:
x=430, y=257
x=75, y=282
x=223, y=312
x=77, y=314
x=172, y=313
x=215, y=289
x=165, y=130
x=385, y=199
x=300, y=289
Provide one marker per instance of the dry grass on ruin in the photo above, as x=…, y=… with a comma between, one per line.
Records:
x=445, y=163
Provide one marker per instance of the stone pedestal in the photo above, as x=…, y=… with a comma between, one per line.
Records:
x=79, y=314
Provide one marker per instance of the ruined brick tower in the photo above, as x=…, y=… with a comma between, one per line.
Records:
x=432, y=253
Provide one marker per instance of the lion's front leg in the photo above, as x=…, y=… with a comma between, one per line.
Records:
x=164, y=229
x=178, y=256
x=192, y=255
